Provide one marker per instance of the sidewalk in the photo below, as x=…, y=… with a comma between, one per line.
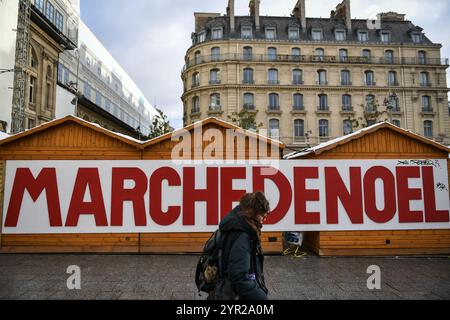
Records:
x=172, y=277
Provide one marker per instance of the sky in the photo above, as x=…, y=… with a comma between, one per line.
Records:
x=149, y=38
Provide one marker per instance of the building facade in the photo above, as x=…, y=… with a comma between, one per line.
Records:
x=312, y=79
x=106, y=94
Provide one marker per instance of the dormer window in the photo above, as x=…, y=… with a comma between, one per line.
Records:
x=294, y=33
x=271, y=33
x=363, y=36
x=417, y=37
x=246, y=32
x=201, y=37
x=340, y=35
x=385, y=36
x=216, y=34
x=317, y=34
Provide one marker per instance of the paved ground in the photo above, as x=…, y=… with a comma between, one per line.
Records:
x=171, y=277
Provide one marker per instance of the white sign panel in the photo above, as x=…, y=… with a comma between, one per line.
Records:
x=49, y=197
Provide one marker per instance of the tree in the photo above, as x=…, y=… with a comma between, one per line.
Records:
x=372, y=115
x=160, y=125
x=245, y=119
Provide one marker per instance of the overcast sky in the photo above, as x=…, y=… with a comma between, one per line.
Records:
x=149, y=38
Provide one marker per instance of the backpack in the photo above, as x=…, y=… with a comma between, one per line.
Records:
x=209, y=275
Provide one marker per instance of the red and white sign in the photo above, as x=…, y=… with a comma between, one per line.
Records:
x=45, y=197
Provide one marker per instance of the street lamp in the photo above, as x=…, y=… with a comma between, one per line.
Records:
x=389, y=104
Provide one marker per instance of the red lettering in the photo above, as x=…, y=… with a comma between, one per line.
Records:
x=431, y=214
x=227, y=194
x=24, y=180
x=370, y=194
x=136, y=195
x=87, y=177
x=406, y=194
x=303, y=195
x=336, y=190
x=284, y=188
x=158, y=215
x=209, y=195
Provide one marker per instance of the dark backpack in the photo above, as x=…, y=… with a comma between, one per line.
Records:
x=209, y=276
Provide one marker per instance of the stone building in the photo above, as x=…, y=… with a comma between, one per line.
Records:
x=313, y=79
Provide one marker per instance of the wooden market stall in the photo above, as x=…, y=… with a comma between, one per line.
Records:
x=72, y=138
x=382, y=141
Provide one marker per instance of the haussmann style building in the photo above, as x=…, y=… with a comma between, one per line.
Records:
x=313, y=79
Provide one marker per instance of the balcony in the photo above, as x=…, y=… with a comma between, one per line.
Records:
x=274, y=110
x=195, y=85
x=428, y=112
x=249, y=107
x=346, y=83
x=322, y=83
x=297, y=82
x=215, y=110
x=273, y=82
x=315, y=59
x=298, y=111
x=323, y=111
x=370, y=83
x=248, y=81
x=347, y=111
x=214, y=82
x=393, y=84
x=426, y=84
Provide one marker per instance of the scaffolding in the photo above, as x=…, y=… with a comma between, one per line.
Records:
x=20, y=74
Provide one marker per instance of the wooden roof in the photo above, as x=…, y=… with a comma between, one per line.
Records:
x=332, y=144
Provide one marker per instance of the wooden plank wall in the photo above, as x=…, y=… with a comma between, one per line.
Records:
x=71, y=141
x=383, y=144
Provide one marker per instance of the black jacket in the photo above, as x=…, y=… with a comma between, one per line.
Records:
x=237, y=264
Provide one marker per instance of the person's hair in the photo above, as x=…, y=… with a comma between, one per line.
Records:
x=256, y=203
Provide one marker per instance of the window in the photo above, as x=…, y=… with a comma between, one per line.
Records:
x=59, y=21
x=98, y=99
x=296, y=53
x=48, y=97
x=248, y=53
x=392, y=78
x=247, y=32
x=195, y=105
x=195, y=79
x=215, y=102
x=216, y=34
x=108, y=105
x=363, y=36
x=347, y=102
x=273, y=76
x=370, y=104
x=197, y=57
x=215, y=54
x=49, y=11
x=322, y=77
x=66, y=76
x=422, y=57
x=32, y=88
x=274, y=102
x=39, y=4
x=417, y=37
x=323, y=128
x=214, y=76
x=343, y=55
x=396, y=122
x=426, y=104
x=87, y=91
x=294, y=33
x=389, y=56
x=424, y=79
x=395, y=104
x=60, y=73
x=272, y=54
x=271, y=33
x=31, y=123
x=201, y=37
x=317, y=34
x=385, y=36
x=297, y=76
x=345, y=78
x=348, y=127
x=248, y=76
x=366, y=55
x=249, y=101
x=34, y=61
x=319, y=54
x=298, y=102
x=274, y=128
x=369, y=78
x=299, y=128
x=323, y=102
x=428, y=129
x=340, y=35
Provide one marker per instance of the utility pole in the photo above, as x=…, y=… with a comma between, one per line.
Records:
x=20, y=74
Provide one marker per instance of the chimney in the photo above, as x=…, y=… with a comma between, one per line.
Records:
x=300, y=13
x=230, y=13
x=254, y=12
x=343, y=11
